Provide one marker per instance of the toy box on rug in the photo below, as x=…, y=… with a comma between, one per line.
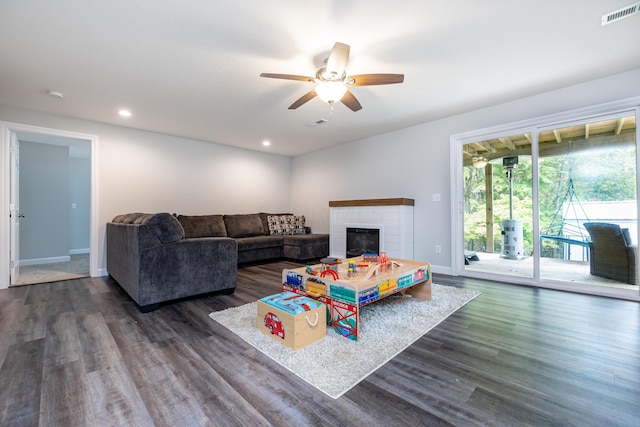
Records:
x=293, y=319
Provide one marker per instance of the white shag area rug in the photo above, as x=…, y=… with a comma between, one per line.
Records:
x=335, y=364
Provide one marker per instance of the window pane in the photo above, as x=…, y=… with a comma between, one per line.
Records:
x=498, y=230
x=587, y=175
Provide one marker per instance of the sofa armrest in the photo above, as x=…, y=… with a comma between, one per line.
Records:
x=124, y=244
x=186, y=268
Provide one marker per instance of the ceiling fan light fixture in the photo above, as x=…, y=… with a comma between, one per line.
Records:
x=332, y=82
x=331, y=92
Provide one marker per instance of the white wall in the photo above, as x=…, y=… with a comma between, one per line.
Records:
x=415, y=162
x=146, y=172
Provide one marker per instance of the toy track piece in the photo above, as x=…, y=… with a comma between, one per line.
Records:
x=333, y=273
x=371, y=272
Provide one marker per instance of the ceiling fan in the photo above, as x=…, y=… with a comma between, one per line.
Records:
x=332, y=82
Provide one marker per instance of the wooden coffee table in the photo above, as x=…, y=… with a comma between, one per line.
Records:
x=344, y=295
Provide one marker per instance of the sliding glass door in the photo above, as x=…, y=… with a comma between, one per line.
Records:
x=498, y=233
x=588, y=203
x=553, y=204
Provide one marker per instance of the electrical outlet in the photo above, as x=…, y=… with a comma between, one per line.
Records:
x=435, y=197
x=438, y=249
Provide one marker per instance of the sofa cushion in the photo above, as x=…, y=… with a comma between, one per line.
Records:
x=164, y=226
x=305, y=246
x=258, y=242
x=307, y=239
x=202, y=226
x=245, y=225
x=129, y=218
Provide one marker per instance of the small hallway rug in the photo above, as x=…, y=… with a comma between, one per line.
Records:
x=76, y=268
x=335, y=364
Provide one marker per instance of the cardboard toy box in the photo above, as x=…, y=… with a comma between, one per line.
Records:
x=293, y=319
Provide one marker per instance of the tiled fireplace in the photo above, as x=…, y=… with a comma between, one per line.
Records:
x=392, y=217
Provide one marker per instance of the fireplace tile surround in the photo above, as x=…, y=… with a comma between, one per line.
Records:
x=392, y=216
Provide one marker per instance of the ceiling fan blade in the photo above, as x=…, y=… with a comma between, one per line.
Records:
x=338, y=59
x=303, y=99
x=287, y=77
x=351, y=102
x=375, y=79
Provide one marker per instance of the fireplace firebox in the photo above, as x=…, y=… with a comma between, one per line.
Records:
x=362, y=241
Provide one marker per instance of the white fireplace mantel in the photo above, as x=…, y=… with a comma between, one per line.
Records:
x=393, y=217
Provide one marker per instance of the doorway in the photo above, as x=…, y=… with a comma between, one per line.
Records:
x=51, y=196
x=55, y=196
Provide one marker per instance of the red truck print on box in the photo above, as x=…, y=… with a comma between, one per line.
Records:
x=273, y=323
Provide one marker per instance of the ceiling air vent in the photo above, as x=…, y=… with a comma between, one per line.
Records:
x=621, y=13
x=317, y=122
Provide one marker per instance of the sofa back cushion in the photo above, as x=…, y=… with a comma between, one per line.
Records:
x=163, y=225
x=129, y=218
x=203, y=226
x=243, y=225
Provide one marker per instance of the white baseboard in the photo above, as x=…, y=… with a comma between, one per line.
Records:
x=442, y=270
x=102, y=272
x=40, y=261
x=79, y=251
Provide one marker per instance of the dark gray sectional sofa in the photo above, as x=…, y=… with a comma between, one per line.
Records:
x=162, y=257
x=257, y=238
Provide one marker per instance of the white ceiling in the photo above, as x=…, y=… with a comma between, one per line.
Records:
x=192, y=68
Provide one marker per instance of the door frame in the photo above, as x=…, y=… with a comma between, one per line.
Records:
x=14, y=206
x=457, y=141
x=6, y=129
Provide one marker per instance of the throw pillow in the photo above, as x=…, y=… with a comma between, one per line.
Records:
x=297, y=224
x=265, y=220
x=279, y=225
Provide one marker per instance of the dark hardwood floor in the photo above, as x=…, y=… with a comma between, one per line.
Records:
x=80, y=353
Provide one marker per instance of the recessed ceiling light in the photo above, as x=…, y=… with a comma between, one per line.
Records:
x=266, y=143
x=124, y=113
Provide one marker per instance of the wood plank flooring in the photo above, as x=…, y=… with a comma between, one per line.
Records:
x=79, y=353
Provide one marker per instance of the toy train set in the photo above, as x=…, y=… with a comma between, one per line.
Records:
x=346, y=286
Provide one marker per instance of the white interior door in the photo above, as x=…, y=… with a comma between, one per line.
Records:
x=14, y=210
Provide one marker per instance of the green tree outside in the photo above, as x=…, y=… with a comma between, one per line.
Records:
x=606, y=174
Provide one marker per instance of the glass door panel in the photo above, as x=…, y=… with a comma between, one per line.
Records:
x=498, y=213
x=587, y=202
